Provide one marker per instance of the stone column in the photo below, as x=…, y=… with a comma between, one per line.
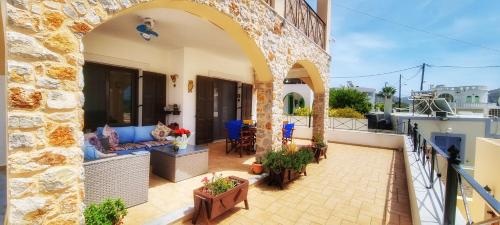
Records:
x=269, y=121
x=320, y=114
x=44, y=118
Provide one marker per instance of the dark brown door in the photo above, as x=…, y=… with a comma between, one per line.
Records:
x=110, y=95
x=153, y=98
x=224, y=106
x=204, y=109
x=246, y=101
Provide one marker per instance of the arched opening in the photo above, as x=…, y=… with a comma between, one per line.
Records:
x=202, y=68
x=447, y=97
x=305, y=79
x=293, y=101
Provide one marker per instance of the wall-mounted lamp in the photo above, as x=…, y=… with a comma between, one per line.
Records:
x=173, y=77
x=190, y=86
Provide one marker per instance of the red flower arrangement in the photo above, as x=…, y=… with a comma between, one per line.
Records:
x=180, y=132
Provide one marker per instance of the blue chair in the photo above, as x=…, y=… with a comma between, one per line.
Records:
x=288, y=133
x=233, y=134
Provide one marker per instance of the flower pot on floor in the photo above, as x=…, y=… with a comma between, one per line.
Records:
x=257, y=168
x=209, y=206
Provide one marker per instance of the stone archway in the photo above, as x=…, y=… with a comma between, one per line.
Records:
x=319, y=85
x=45, y=99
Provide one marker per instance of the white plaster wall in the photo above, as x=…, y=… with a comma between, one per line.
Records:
x=380, y=140
x=301, y=89
x=199, y=62
x=186, y=62
x=471, y=128
x=117, y=51
x=486, y=173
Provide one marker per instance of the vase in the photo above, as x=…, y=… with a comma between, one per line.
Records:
x=182, y=142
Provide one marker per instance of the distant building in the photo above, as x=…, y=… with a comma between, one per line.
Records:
x=371, y=92
x=462, y=94
x=297, y=95
x=465, y=99
x=494, y=96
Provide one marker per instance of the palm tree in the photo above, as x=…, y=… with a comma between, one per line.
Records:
x=387, y=92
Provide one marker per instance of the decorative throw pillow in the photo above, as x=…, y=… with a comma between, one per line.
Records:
x=93, y=140
x=161, y=132
x=111, y=134
x=105, y=147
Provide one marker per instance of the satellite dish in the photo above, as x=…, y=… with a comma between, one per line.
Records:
x=146, y=29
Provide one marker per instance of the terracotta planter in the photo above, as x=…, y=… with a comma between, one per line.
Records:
x=284, y=177
x=210, y=207
x=257, y=168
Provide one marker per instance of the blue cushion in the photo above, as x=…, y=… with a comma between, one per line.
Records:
x=98, y=132
x=125, y=134
x=89, y=152
x=143, y=134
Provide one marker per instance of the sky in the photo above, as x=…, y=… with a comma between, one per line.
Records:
x=363, y=45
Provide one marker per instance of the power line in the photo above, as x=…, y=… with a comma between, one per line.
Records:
x=414, y=75
x=418, y=29
x=464, y=67
x=377, y=74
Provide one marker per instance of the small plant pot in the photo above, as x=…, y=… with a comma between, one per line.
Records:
x=257, y=168
x=210, y=207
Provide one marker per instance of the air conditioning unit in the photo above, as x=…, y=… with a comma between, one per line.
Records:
x=442, y=115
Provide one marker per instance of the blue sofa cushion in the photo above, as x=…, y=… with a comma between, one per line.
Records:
x=89, y=152
x=143, y=134
x=125, y=134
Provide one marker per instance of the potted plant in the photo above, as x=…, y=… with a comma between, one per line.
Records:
x=109, y=212
x=219, y=195
x=287, y=164
x=181, y=136
x=319, y=148
x=257, y=167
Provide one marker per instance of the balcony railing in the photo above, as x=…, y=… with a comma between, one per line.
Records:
x=307, y=20
x=269, y=2
x=455, y=178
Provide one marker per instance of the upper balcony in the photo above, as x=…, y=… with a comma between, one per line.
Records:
x=313, y=23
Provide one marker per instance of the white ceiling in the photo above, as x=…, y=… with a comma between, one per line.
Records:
x=176, y=29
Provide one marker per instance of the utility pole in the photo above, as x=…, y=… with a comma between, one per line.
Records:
x=422, y=80
x=399, y=91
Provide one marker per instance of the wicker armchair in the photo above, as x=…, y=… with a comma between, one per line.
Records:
x=125, y=177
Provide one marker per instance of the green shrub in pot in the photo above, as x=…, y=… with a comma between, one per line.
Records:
x=109, y=212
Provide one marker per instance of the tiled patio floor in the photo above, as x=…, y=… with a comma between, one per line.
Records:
x=165, y=197
x=355, y=185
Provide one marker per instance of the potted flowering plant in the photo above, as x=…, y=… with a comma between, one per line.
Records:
x=319, y=147
x=218, y=195
x=181, y=136
x=287, y=164
x=257, y=167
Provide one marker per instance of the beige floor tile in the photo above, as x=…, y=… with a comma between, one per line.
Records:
x=355, y=185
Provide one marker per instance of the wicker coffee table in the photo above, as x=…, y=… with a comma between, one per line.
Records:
x=180, y=165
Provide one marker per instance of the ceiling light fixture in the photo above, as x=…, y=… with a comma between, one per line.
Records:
x=146, y=29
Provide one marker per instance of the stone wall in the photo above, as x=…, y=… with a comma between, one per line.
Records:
x=45, y=82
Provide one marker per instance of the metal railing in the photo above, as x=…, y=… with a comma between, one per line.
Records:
x=427, y=153
x=306, y=121
x=269, y=2
x=348, y=124
x=307, y=20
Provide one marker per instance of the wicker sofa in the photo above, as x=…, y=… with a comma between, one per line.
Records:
x=124, y=176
